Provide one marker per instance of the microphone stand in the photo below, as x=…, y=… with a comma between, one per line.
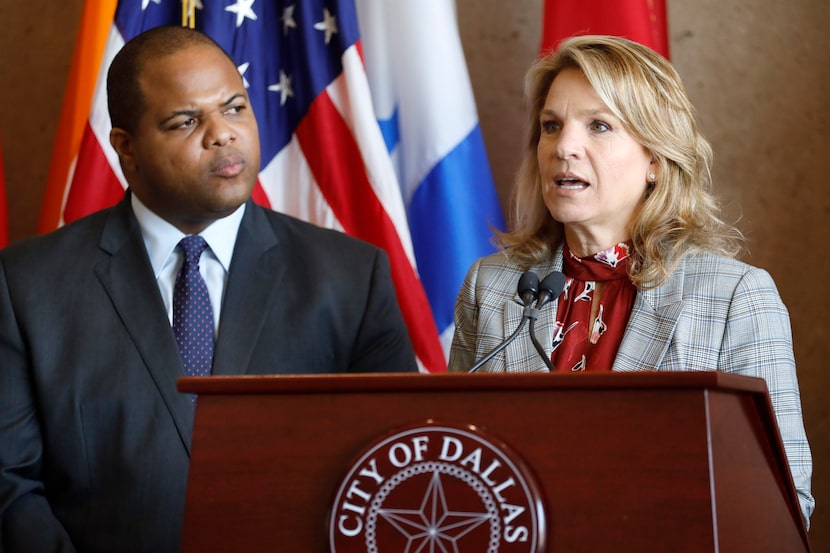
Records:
x=528, y=288
x=550, y=288
x=531, y=329
x=529, y=309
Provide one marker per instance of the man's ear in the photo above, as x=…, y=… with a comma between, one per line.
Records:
x=122, y=143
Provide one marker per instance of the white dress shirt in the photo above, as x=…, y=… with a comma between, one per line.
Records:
x=161, y=239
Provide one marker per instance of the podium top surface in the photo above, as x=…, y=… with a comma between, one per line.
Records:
x=265, y=384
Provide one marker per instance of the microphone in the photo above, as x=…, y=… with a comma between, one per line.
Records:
x=528, y=289
x=550, y=288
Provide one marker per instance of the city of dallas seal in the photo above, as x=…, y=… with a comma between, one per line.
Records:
x=435, y=486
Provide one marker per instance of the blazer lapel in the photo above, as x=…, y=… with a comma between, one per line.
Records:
x=127, y=277
x=516, y=354
x=651, y=325
x=256, y=274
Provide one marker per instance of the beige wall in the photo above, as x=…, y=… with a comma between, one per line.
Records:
x=758, y=71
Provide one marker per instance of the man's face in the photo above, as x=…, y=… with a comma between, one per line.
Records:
x=194, y=156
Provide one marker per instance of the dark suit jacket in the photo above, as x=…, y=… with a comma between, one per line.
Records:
x=94, y=437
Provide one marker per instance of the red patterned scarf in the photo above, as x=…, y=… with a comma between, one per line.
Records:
x=582, y=342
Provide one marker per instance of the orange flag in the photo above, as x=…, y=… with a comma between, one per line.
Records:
x=643, y=21
x=96, y=22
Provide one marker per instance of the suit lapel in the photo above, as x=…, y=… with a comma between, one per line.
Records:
x=651, y=325
x=255, y=276
x=516, y=354
x=127, y=277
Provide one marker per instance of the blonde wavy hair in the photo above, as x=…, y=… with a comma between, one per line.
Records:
x=679, y=213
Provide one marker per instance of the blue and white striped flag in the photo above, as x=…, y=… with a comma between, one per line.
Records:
x=424, y=100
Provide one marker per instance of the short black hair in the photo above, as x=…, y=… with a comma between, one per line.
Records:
x=125, y=100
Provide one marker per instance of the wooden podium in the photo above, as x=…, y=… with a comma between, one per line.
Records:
x=625, y=462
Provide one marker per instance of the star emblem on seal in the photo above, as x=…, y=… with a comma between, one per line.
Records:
x=433, y=523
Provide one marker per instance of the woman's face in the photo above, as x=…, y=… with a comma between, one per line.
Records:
x=593, y=171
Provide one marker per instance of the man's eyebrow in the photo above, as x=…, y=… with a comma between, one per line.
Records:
x=232, y=99
x=193, y=112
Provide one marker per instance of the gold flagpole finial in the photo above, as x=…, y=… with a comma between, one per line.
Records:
x=189, y=13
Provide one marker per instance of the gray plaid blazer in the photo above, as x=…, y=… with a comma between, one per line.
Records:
x=713, y=313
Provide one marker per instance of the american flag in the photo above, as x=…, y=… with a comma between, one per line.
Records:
x=324, y=158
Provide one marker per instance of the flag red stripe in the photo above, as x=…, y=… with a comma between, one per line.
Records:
x=337, y=165
x=258, y=195
x=94, y=184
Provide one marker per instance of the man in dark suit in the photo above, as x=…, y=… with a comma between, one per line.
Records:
x=94, y=437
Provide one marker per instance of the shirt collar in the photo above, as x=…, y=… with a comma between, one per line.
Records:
x=161, y=238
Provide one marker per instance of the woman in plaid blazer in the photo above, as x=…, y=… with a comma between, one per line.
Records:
x=615, y=191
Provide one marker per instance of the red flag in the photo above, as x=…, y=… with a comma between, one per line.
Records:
x=4, y=219
x=324, y=157
x=643, y=21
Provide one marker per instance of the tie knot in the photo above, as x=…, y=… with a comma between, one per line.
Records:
x=193, y=246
